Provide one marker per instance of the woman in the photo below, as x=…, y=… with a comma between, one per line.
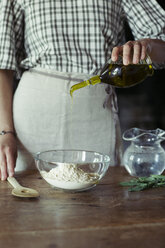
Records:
x=59, y=43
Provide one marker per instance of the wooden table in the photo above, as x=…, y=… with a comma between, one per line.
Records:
x=107, y=216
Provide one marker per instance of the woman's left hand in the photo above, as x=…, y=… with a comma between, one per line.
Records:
x=132, y=51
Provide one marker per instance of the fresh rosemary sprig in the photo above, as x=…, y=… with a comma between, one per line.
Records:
x=143, y=183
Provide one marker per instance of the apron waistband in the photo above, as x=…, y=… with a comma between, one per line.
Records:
x=61, y=75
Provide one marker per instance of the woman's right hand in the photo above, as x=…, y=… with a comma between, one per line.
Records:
x=8, y=155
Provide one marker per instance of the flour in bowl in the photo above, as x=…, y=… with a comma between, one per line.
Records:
x=69, y=176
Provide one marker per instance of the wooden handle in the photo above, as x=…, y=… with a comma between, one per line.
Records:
x=14, y=182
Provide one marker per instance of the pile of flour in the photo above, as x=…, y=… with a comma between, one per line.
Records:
x=69, y=176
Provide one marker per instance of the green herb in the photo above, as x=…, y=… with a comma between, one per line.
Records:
x=142, y=183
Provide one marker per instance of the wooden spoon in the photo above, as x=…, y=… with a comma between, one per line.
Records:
x=21, y=191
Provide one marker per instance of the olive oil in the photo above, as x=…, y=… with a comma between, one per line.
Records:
x=122, y=76
x=118, y=75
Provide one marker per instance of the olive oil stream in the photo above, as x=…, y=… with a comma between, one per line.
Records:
x=118, y=75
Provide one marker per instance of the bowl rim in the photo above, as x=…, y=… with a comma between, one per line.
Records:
x=36, y=156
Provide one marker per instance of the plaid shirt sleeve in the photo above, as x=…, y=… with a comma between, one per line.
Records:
x=11, y=35
x=146, y=20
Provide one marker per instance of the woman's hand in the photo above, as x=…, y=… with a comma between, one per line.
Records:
x=134, y=51
x=8, y=146
x=8, y=155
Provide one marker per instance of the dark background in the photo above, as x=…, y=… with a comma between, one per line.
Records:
x=143, y=105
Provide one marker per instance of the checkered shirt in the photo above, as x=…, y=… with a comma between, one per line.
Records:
x=72, y=35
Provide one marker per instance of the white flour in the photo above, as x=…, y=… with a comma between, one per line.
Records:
x=69, y=176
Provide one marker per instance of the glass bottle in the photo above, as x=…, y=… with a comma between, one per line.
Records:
x=119, y=75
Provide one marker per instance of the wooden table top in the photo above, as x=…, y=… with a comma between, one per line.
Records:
x=106, y=216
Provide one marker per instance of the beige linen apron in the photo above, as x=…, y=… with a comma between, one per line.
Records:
x=46, y=117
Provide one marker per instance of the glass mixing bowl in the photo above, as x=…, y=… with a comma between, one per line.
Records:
x=72, y=170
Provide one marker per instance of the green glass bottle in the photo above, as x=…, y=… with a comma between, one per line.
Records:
x=119, y=75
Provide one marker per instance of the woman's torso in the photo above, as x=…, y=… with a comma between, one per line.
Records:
x=72, y=35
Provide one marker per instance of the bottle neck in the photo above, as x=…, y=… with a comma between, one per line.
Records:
x=95, y=80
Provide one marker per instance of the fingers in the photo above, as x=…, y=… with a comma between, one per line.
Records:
x=116, y=52
x=11, y=159
x=132, y=52
x=143, y=52
x=127, y=53
x=136, y=53
x=3, y=166
x=7, y=163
